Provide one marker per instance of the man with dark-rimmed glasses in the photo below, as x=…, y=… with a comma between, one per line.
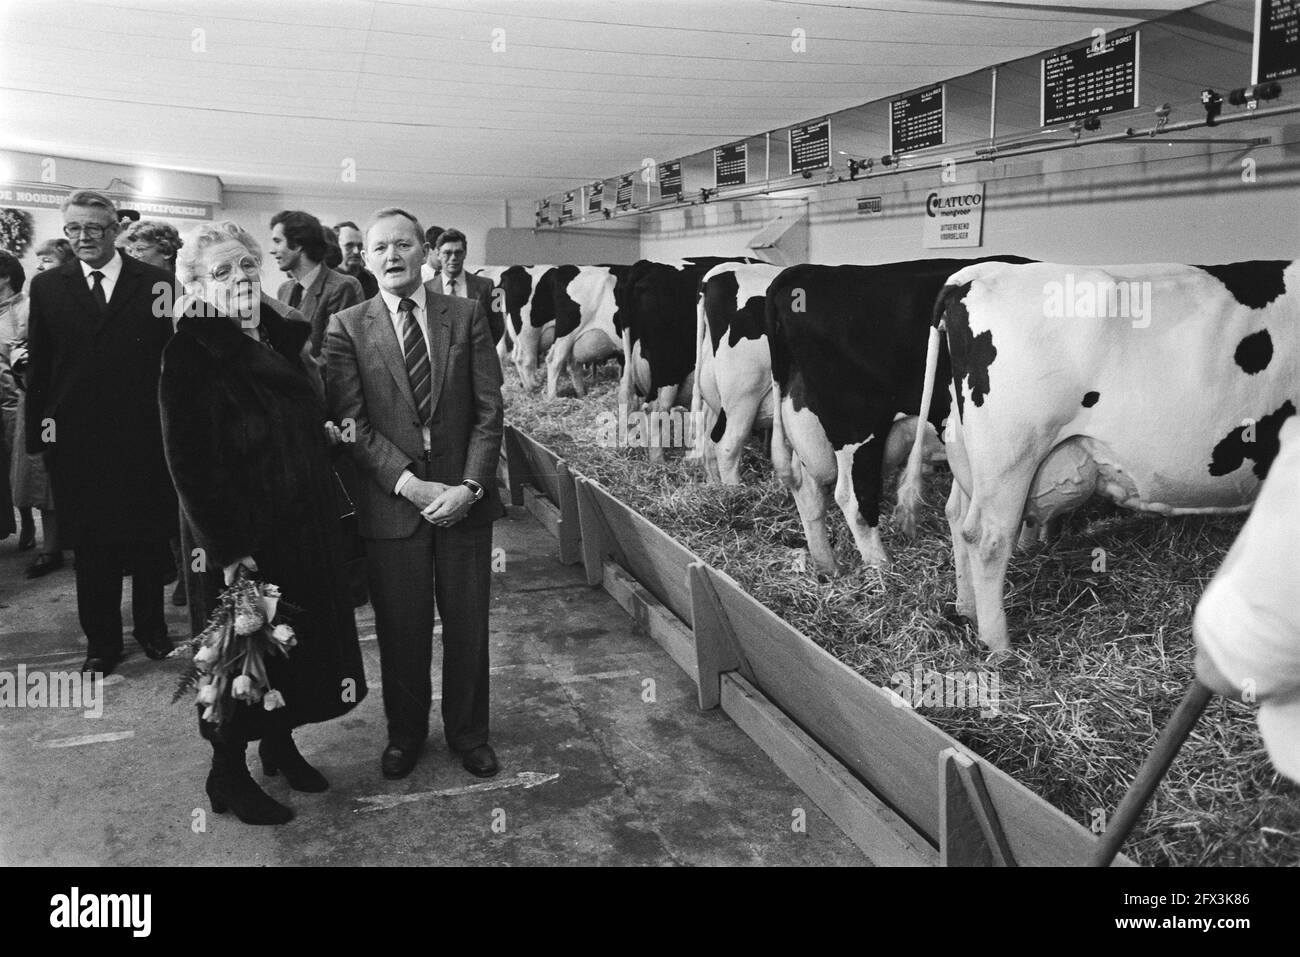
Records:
x=98, y=325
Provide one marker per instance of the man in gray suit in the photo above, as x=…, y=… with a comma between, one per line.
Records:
x=313, y=288
x=413, y=374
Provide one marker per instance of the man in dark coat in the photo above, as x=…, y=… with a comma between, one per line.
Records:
x=414, y=374
x=98, y=325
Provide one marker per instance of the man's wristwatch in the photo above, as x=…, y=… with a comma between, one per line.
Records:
x=475, y=488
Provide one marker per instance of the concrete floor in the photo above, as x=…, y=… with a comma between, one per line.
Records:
x=591, y=772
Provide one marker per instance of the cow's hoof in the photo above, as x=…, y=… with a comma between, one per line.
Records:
x=952, y=613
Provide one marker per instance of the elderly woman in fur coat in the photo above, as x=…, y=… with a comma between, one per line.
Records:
x=248, y=446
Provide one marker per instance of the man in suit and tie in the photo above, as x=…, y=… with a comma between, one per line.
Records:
x=314, y=289
x=97, y=327
x=414, y=373
x=353, y=245
x=455, y=281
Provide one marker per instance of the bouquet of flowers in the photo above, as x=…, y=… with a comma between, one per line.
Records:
x=247, y=627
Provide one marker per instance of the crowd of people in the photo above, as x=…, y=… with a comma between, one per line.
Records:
x=338, y=440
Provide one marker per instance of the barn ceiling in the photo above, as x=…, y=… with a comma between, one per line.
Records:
x=477, y=99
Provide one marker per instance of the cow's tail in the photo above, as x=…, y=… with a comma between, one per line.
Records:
x=697, y=394
x=910, y=490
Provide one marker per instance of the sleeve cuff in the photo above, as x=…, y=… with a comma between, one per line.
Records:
x=402, y=479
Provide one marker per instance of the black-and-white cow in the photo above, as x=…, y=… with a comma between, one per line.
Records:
x=1162, y=387
x=518, y=285
x=848, y=360
x=579, y=300
x=505, y=345
x=733, y=365
x=655, y=318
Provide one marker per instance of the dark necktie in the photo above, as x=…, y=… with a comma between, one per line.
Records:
x=416, y=351
x=97, y=292
x=451, y=288
x=295, y=297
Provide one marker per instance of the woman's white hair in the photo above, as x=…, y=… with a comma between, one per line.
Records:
x=211, y=234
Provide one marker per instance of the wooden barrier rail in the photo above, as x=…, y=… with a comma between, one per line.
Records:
x=540, y=480
x=902, y=790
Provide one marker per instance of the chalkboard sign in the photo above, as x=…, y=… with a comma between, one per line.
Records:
x=731, y=165
x=1099, y=77
x=916, y=121
x=670, y=178
x=595, y=197
x=1277, y=40
x=623, y=195
x=810, y=146
x=566, y=208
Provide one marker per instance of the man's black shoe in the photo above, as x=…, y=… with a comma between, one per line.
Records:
x=481, y=761
x=44, y=564
x=158, y=649
x=104, y=666
x=397, y=762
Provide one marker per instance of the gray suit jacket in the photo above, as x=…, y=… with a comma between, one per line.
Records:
x=329, y=292
x=367, y=386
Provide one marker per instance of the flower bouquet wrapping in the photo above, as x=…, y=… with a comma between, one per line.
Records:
x=248, y=627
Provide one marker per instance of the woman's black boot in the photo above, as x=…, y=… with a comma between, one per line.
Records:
x=279, y=753
x=231, y=787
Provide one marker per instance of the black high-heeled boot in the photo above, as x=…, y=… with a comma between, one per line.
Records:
x=279, y=753
x=231, y=787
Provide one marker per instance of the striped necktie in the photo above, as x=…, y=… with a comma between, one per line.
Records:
x=416, y=351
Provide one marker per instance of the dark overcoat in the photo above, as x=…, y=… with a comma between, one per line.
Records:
x=94, y=378
x=243, y=427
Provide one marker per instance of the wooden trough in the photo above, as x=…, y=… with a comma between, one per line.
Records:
x=540, y=480
x=903, y=791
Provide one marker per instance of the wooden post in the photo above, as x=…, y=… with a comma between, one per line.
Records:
x=970, y=834
x=516, y=466
x=570, y=524
x=716, y=648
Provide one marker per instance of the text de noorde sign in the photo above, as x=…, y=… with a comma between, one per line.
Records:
x=810, y=147
x=670, y=178
x=52, y=197
x=623, y=194
x=1277, y=40
x=954, y=217
x=566, y=208
x=1097, y=78
x=595, y=197
x=917, y=121
x=731, y=165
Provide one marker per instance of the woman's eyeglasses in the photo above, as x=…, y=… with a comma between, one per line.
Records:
x=247, y=265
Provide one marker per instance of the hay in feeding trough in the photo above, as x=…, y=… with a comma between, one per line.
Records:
x=1101, y=623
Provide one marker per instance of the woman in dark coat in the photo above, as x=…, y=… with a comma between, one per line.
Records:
x=248, y=445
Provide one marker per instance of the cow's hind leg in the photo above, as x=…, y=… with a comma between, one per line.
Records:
x=857, y=492
x=810, y=499
x=990, y=528
x=958, y=503
x=731, y=446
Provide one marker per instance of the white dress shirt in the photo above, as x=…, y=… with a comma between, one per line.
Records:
x=310, y=278
x=421, y=314
x=427, y=273
x=462, y=287
x=111, y=270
